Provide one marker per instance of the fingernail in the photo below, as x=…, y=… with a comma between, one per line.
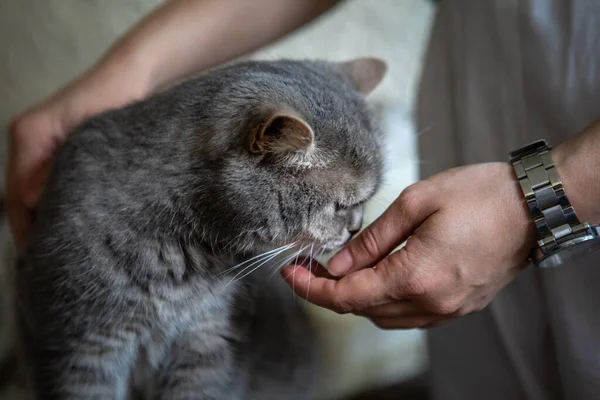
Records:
x=340, y=263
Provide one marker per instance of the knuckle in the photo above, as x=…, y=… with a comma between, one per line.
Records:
x=478, y=308
x=412, y=196
x=446, y=307
x=394, y=276
x=369, y=243
x=462, y=311
x=434, y=324
x=461, y=272
x=411, y=190
x=415, y=286
x=342, y=306
x=17, y=127
x=472, y=309
x=421, y=324
x=382, y=324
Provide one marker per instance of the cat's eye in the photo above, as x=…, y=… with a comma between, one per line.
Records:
x=340, y=207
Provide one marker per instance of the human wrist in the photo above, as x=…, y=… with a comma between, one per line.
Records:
x=576, y=163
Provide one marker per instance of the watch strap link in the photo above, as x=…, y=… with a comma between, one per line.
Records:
x=554, y=217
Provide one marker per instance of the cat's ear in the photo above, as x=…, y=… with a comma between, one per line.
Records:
x=365, y=73
x=282, y=133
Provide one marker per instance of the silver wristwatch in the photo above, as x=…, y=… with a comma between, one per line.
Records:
x=561, y=236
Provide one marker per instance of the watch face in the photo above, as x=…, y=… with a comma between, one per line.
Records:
x=569, y=253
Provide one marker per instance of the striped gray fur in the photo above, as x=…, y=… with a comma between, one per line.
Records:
x=125, y=287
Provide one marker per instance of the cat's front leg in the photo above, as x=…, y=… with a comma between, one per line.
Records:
x=200, y=366
x=94, y=365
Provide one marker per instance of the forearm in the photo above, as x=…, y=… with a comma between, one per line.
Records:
x=183, y=37
x=578, y=164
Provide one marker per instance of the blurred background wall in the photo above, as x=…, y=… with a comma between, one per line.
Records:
x=46, y=43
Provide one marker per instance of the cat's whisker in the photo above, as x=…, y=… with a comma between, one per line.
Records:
x=380, y=201
x=260, y=261
x=259, y=265
x=294, y=271
x=255, y=259
x=293, y=256
x=310, y=260
x=286, y=260
x=381, y=198
x=265, y=254
x=409, y=163
x=251, y=271
x=323, y=250
x=214, y=241
x=423, y=131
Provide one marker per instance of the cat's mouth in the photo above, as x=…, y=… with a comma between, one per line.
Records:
x=310, y=263
x=311, y=255
x=331, y=245
x=334, y=245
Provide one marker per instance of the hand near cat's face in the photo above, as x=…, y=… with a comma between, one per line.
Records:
x=469, y=234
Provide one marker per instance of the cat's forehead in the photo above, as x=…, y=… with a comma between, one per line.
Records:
x=347, y=180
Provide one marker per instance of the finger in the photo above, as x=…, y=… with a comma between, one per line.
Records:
x=315, y=267
x=423, y=322
x=25, y=177
x=389, y=231
x=19, y=221
x=362, y=289
x=320, y=271
x=21, y=202
x=34, y=187
x=437, y=324
x=396, y=309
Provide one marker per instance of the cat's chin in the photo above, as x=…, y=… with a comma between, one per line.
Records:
x=334, y=245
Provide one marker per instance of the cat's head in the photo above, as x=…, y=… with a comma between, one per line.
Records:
x=303, y=156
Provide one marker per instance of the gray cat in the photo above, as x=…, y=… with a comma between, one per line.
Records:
x=141, y=275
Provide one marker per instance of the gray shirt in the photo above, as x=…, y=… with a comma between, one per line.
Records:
x=498, y=75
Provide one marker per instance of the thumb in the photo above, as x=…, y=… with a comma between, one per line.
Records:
x=414, y=205
x=29, y=158
x=19, y=219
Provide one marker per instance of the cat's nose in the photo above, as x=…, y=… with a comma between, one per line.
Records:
x=353, y=232
x=355, y=221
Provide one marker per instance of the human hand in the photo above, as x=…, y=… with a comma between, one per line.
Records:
x=35, y=135
x=469, y=234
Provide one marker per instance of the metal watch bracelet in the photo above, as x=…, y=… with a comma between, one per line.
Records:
x=554, y=217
